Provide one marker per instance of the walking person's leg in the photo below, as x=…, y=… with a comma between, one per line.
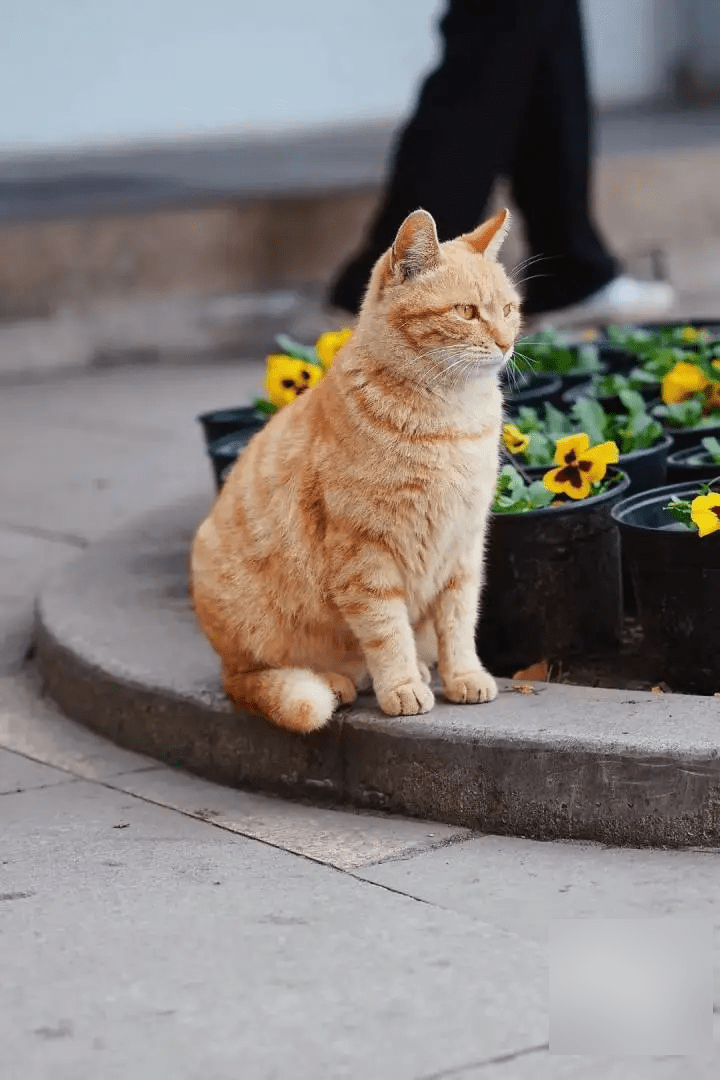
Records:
x=509, y=97
x=463, y=132
x=550, y=174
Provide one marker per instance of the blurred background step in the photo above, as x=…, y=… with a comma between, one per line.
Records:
x=234, y=216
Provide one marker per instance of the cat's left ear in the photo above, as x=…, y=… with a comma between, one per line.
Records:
x=416, y=248
x=487, y=238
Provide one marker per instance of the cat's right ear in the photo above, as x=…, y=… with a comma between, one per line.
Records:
x=416, y=248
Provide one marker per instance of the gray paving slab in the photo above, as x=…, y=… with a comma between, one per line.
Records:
x=18, y=773
x=83, y=455
x=141, y=942
x=120, y=650
x=340, y=839
x=35, y=731
x=25, y=561
x=490, y=878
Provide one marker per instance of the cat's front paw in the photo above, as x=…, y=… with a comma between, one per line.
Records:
x=470, y=688
x=408, y=699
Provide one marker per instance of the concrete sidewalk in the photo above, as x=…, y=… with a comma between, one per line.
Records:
x=153, y=924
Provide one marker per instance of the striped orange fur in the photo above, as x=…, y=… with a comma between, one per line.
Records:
x=348, y=539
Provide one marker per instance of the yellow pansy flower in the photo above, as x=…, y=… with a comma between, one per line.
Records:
x=705, y=512
x=682, y=382
x=579, y=466
x=329, y=345
x=287, y=378
x=514, y=439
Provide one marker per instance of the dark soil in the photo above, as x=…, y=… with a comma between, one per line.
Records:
x=623, y=668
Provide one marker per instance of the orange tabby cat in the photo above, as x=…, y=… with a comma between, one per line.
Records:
x=348, y=539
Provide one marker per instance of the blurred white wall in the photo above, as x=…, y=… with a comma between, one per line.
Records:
x=75, y=72
x=80, y=72
x=633, y=47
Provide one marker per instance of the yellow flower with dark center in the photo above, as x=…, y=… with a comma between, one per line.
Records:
x=705, y=512
x=329, y=345
x=514, y=440
x=691, y=333
x=287, y=378
x=682, y=382
x=579, y=466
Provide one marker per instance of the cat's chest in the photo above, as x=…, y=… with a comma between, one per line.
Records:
x=448, y=515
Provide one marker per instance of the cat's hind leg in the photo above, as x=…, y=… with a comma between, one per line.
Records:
x=293, y=698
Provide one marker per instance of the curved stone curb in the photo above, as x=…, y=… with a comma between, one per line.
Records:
x=120, y=652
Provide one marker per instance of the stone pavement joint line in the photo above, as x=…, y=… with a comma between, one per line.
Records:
x=72, y=539
x=499, y=1059
x=209, y=818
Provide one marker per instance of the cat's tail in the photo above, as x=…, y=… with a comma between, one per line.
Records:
x=293, y=698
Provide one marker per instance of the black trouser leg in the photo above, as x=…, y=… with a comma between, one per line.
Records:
x=551, y=175
x=466, y=127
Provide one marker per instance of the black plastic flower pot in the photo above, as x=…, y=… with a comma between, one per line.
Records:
x=223, y=452
x=676, y=581
x=552, y=582
x=646, y=468
x=532, y=390
x=687, y=437
x=692, y=463
x=232, y=421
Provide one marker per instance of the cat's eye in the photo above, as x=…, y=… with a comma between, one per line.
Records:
x=507, y=309
x=468, y=311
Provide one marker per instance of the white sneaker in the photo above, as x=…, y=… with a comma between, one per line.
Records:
x=624, y=299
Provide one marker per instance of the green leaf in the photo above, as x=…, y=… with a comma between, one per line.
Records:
x=642, y=379
x=540, y=450
x=609, y=385
x=538, y=495
x=300, y=352
x=556, y=423
x=262, y=405
x=680, y=509
x=633, y=402
x=683, y=414
x=527, y=420
x=587, y=358
x=590, y=415
x=712, y=446
x=638, y=432
x=513, y=495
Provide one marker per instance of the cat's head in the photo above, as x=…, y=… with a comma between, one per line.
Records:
x=449, y=309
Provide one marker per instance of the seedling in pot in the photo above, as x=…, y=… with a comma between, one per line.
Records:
x=547, y=353
x=701, y=513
